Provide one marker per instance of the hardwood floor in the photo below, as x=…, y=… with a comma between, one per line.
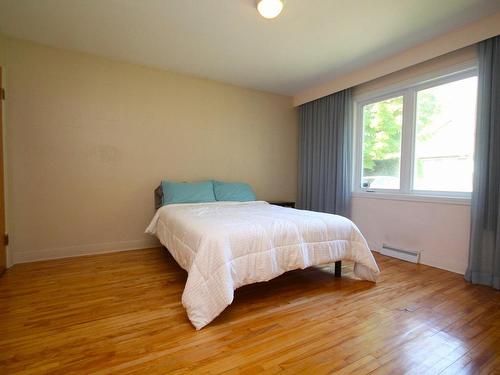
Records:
x=121, y=313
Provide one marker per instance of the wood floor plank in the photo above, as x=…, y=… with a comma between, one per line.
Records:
x=122, y=313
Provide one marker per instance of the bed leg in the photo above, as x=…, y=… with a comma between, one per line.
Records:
x=338, y=268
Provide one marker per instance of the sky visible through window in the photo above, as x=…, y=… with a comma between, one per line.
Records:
x=444, y=146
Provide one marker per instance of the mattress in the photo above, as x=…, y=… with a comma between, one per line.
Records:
x=225, y=245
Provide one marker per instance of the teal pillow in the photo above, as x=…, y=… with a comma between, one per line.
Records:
x=187, y=192
x=233, y=191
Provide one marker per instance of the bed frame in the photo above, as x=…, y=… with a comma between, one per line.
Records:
x=338, y=268
x=158, y=202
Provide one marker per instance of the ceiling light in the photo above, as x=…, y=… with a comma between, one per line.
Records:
x=269, y=8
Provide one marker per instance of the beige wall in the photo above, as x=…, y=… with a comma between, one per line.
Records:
x=3, y=49
x=88, y=139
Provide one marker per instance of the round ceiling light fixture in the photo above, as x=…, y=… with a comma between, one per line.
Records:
x=269, y=8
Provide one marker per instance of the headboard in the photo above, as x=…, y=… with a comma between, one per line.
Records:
x=158, y=197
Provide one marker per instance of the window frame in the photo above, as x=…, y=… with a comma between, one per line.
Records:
x=408, y=90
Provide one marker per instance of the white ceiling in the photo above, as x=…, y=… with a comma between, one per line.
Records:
x=226, y=40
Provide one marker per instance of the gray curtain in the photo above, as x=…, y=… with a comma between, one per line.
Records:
x=484, y=251
x=325, y=148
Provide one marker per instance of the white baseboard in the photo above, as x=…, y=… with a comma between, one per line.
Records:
x=449, y=266
x=112, y=247
x=81, y=250
x=9, y=260
x=454, y=267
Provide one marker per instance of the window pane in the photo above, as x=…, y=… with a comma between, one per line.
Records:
x=444, y=143
x=382, y=124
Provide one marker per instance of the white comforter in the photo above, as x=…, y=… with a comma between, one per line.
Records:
x=225, y=245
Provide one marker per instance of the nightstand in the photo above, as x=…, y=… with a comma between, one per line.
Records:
x=283, y=203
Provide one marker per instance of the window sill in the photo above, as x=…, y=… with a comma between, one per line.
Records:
x=459, y=201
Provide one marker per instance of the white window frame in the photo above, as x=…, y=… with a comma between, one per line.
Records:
x=408, y=90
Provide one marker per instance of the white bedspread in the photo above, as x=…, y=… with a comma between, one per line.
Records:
x=225, y=245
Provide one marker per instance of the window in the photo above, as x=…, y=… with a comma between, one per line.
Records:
x=419, y=139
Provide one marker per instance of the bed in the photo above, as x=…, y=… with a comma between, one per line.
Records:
x=225, y=245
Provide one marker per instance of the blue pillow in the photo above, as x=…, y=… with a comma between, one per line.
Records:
x=233, y=191
x=187, y=192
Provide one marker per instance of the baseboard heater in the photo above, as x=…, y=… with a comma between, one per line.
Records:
x=407, y=255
